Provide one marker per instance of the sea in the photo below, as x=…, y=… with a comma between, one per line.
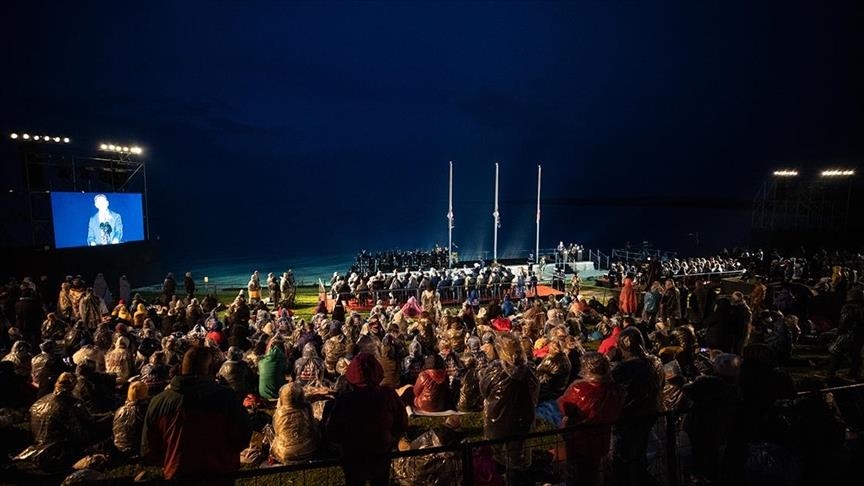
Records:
x=706, y=232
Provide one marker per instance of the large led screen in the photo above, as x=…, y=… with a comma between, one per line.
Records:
x=96, y=218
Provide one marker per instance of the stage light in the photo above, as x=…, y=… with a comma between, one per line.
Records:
x=13, y=136
x=25, y=136
x=838, y=173
x=786, y=173
x=66, y=140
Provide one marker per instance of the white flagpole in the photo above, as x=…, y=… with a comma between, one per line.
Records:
x=450, y=224
x=537, y=240
x=496, y=216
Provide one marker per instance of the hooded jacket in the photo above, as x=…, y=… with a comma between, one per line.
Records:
x=310, y=368
x=392, y=353
x=127, y=426
x=554, y=375
x=237, y=376
x=368, y=420
x=591, y=402
x=58, y=417
x=271, y=372
x=510, y=398
x=20, y=357
x=431, y=391
x=296, y=430
x=412, y=365
x=195, y=428
x=628, y=300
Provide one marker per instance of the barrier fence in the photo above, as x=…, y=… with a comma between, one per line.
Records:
x=542, y=457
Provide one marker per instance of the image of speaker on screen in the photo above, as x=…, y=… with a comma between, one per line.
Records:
x=106, y=226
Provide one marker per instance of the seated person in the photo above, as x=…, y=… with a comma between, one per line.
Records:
x=129, y=420
x=431, y=391
x=295, y=428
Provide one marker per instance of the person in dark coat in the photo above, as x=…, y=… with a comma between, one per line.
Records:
x=28, y=316
x=169, y=288
x=366, y=423
x=189, y=286
x=196, y=428
x=510, y=391
x=642, y=378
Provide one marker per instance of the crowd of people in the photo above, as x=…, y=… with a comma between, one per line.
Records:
x=390, y=260
x=802, y=266
x=474, y=284
x=179, y=384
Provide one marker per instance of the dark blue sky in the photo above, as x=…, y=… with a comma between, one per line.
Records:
x=329, y=125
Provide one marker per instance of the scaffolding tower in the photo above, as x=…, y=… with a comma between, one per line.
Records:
x=790, y=204
x=50, y=168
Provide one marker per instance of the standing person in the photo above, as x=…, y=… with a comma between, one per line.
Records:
x=274, y=289
x=169, y=288
x=125, y=289
x=642, y=378
x=28, y=316
x=628, y=301
x=106, y=226
x=591, y=400
x=651, y=303
x=189, y=286
x=196, y=428
x=740, y=317
x=510, y=391
x=851, y=321
x=670, y=304
x=254, y=288
x=366, y=423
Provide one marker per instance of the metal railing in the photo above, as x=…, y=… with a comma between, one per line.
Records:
x=540, y=456
x=600, y=259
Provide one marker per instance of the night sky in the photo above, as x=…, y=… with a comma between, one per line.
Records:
x=328, y=126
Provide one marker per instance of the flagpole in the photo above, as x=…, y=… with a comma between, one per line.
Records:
x=450, y=224
x=537, y=240
x=496, y=216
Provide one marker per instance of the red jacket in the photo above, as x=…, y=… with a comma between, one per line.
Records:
x=502, y=324
x=610, y=342
x=369, y=420
x=589, y=402
x=431, y=392
x=195, y=429
x=628, y=300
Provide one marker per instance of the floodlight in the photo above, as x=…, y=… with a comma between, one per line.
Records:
x=786, y=173
x=111, y=147
x=36, y=137
x=838, y=173
x=66, y=140
x=25, y=136
x=125, y=149
x=136, y=150
x=103, y=146
x=13, y=136
x=46, y=138
x=57, y=139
